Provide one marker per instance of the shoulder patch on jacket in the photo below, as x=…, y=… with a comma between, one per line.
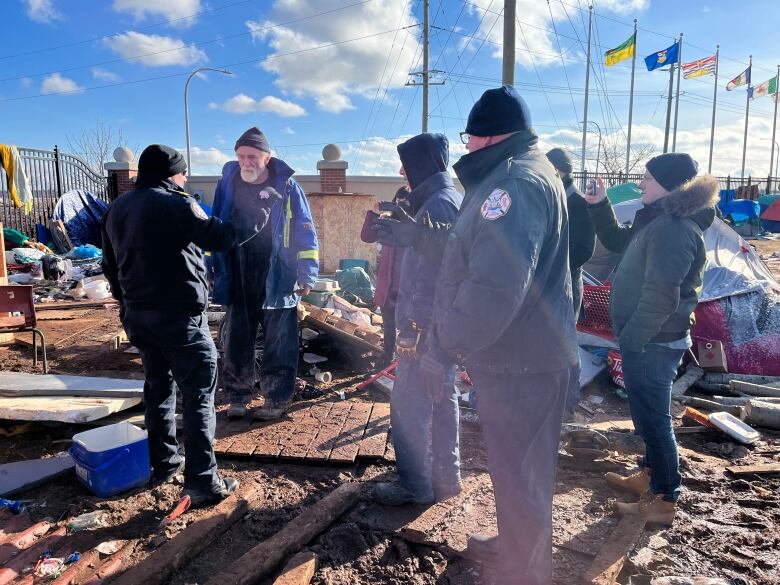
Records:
x=198, y=211
x=496, y=205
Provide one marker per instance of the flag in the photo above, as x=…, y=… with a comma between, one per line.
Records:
x=621, y=53
x=700, y=68
x=766, y=88
x=741, y=79
x=666, y=57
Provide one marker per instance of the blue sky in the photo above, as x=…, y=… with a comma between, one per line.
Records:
x=310, y=72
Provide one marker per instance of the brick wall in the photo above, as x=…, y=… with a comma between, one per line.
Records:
x=125, y=180
x=333, y=180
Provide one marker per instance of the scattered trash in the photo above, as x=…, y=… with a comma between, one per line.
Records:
x=49, y=568
x=313, y=358
x=181, y=508
x=594, y=399
x=87, y=521
x=309, y=334
x=16, y=506
x=322, y=377
x=109, y=547
x=734, y=427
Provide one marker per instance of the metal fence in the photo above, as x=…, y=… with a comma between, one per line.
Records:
x=51, y=173
x=745, y=187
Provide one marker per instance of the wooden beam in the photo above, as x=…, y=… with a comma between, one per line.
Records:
x=175, y=553
x=761, y=469
x=256, y=564
x=299, y=570
x=610, y=559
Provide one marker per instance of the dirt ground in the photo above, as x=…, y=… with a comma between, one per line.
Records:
x=726, y=527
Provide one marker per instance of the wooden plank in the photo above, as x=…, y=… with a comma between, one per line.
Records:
x=299, y=570
x=374, y=440
x=330, y=429
x=22, y=475
x=74, y=305
x=308, y=423
x=175, y=553
x=346, y=446
x=22, y=384
x=610, y=559
x=254, y=565
x=62, y=408
x=761, y=469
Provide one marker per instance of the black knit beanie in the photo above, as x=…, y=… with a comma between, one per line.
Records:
x=158, y=161
x=499, y=111
x=672, y=169
x=254, y=138
x=561, y=160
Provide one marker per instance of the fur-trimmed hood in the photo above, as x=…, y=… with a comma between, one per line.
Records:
x=700, y=193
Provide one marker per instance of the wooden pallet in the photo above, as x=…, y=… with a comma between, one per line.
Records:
x=337, y=432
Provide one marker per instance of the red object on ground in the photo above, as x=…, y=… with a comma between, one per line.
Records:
x=386, y=373
x=698, y=416
x=181, y=507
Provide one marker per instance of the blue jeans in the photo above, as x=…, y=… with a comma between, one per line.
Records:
x=177, y=350
x=425, y=433
x=521, y=417
x=648, y=377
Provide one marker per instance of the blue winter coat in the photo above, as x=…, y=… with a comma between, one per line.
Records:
x=424, y=159
x=295, y=252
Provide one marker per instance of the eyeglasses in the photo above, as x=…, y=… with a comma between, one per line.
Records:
x=464, y=137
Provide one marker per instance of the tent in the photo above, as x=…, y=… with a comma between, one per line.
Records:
x=81, y=212
x=739, y=304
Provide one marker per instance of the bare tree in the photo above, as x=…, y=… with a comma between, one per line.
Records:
x=96, y=145
x=612, y=158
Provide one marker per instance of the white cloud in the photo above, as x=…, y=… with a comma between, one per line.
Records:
x=535, y=40
x=333, y=74
x=208, y=161
x=244, y=104
x=157, y=50
x=288, y=130
x=42, y=10
x=26, y=82
x=168, y=9
x=56, y=83
x=104, y=74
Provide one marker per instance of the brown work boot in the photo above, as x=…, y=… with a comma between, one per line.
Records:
x=236, y=410
x=271, y=410
x=652, y=507
x=636, y=483
x=482, y=548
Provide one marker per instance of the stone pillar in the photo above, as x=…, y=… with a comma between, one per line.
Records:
x=333, y=172
x=124, y=171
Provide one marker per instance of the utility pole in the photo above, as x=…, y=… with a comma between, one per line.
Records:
x=669, y=109
x=747, y=113
x=631, y=105
x=425, y=74
x=510, y=10
x=587, y=86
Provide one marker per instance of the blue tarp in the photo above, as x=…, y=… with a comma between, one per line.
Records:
x=81, y=212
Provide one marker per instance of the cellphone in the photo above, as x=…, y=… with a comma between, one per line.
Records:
x=592, y=186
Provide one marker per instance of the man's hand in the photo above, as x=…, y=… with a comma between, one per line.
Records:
x=303, y=290
x=401, y=232
x=597, y=194
x=434, y=366
x=268, y=196
x=407, y=342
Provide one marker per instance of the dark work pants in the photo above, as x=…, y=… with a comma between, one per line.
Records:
x=521, y=419
x=177, y=350
x=388, y=327
x=280, y=351
x=425, y=432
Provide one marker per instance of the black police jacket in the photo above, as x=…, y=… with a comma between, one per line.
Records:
x=152, y=240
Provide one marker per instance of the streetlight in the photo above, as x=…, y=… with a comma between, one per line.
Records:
x=187, y=111
x=598, y=149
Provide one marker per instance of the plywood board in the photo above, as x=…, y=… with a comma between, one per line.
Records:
x=21, y=384
x=22, y=475
x=62, y=408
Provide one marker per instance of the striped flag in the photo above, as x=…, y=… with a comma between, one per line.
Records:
x=700, y=68
x=766, y=88
x=740, y=80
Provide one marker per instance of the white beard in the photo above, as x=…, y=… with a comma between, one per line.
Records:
x=249, y=175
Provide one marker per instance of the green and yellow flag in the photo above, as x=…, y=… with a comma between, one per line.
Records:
x=621, y=53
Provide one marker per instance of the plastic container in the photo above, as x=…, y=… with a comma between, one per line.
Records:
x=97, y=290
x=325, y=285
x=112, y=459
x=732, y=426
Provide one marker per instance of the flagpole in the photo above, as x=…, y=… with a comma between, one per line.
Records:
x=774, y=129
x=669, y=108
x=677, y=99
x=714, y=106
x=747, y=114
x=587, y=85
x=631, y=104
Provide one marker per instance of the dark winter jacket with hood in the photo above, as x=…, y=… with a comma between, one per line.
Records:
x=424, y=159
x=659, y=279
